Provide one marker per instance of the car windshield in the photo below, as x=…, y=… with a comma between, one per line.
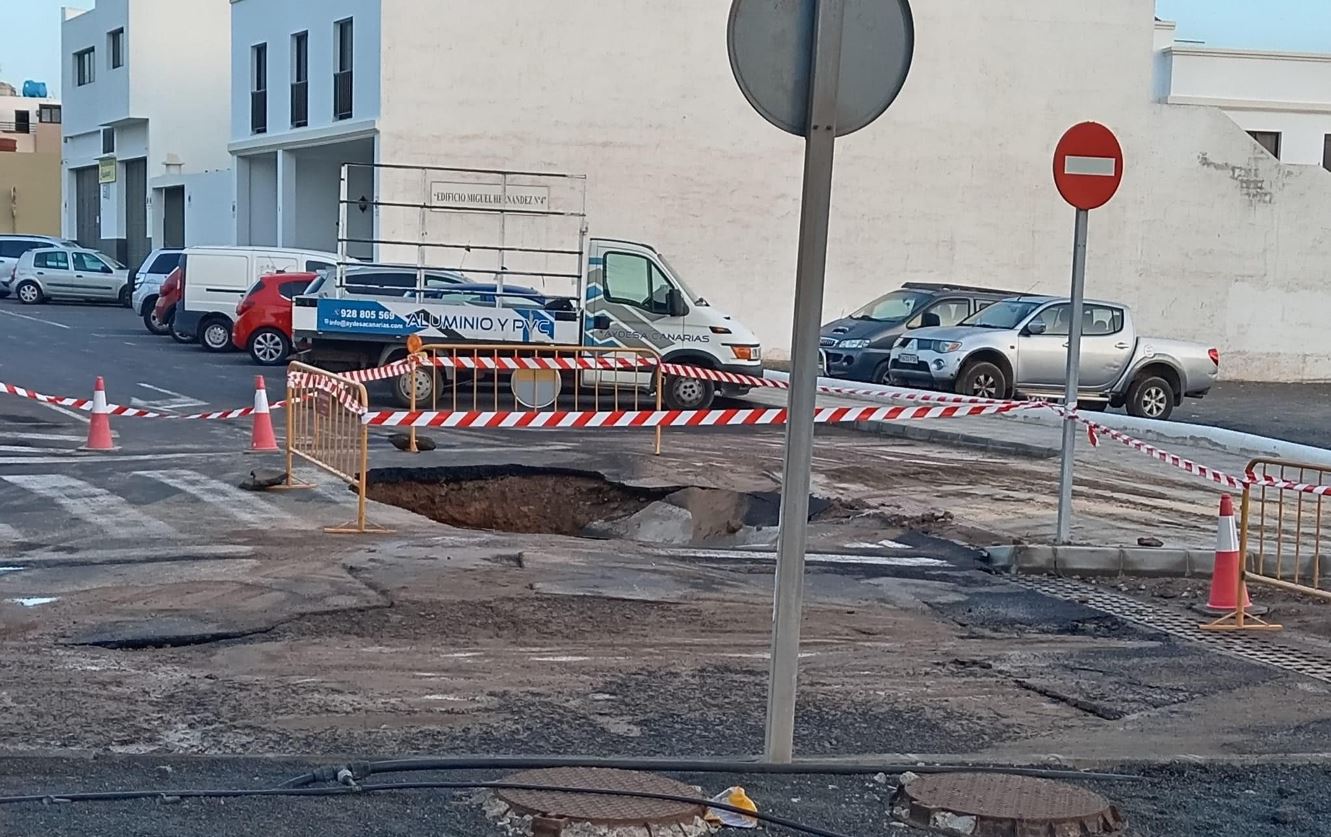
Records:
x=684, y=288
x=1007, y=314
x=896, y=306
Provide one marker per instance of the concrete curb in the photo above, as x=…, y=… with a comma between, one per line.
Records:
x=914, y=432
x=1101, y=560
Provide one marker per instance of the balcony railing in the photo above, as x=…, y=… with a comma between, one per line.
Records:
x=300, y=104
x=259, y=112
x=342, y=95
x=15, y=127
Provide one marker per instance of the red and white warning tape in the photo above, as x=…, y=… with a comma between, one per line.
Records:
x=86, y=405
x=668, y=418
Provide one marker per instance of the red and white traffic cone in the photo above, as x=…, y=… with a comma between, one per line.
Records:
x=1224, y=578
x=99, y=429
x=262, y=438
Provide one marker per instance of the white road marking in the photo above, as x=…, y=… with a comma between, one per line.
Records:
x=176, y=401
x=886, y=543
x=43, y=437
x=84, y=457
x=110, y=513
x=245, y=506
x=33, y=319
x=74, y=414
x=4, y=570
x=34, y=601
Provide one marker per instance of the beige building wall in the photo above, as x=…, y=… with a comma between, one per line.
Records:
x=30, y=193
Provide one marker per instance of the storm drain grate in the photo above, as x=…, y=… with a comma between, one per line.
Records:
x=1253, y=648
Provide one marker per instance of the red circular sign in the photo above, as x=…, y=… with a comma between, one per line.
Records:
x=1088, y=165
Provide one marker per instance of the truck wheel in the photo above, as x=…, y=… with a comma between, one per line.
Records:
x=424, y=388
x=982, y=379
x=1151, y=397
x=687, y=393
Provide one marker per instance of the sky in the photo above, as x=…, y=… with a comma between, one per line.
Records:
x=30, y=37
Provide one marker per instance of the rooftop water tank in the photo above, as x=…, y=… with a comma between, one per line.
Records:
x=34, y=89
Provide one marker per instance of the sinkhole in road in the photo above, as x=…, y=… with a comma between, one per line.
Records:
x=567, y=501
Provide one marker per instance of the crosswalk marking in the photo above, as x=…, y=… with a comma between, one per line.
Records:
x=245, y=506
x=110, y=513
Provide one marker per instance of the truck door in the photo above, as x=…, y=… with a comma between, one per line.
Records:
x=1042, y=358
x=626, y=284
x=1105, y=348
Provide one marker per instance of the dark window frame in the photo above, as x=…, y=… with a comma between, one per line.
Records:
x=85, y=67
x=1270, y=141
x=55, y=255
x=1326, y=152
x=50, y=114
x=115, y=45
x=344, y=56
x=23, y=122
x=300, y=79
x=108, y=140
x=259, y=88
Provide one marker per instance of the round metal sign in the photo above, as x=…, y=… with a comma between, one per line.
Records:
x=1088, y=165
x=771, y=55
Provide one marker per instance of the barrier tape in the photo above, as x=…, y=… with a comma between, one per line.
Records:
x=86, y=405
x=336, y=390
x=669, y=418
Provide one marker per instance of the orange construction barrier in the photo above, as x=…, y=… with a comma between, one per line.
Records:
x=99, y=429
x=262, y=438
x=1224, y=588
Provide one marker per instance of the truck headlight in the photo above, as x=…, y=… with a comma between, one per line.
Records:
x=750, y=353
x=946, y=348
x=853, y=344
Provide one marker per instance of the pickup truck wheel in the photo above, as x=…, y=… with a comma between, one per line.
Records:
x=687, y=393
x=1151, y=397
x=424, y=382
x=982, y=380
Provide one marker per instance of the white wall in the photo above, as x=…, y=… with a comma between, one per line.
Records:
x=952, y=183
x=257, y=216
x=1262, y=91
x=274, y=22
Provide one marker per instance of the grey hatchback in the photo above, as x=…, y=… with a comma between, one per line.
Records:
x=55, y=273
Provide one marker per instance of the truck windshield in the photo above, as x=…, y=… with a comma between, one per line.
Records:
x=898, y=305
x=679, y=280
x=1007, y=314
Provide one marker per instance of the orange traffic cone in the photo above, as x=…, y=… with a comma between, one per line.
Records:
x=1224, y=578
x=99, y=429
x=262, y=438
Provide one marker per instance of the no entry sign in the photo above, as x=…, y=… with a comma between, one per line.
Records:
x=1088, y=165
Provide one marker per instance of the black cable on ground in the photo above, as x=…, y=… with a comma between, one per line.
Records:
x=361, y=770
x=231, y=793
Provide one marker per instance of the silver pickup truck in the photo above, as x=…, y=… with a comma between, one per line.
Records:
x=1019, y=347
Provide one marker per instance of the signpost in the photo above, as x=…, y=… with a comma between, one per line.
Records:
x=817, y=69
x=1088, y=168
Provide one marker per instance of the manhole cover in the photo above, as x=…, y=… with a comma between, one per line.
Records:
x=999, y=805
x=602, y=809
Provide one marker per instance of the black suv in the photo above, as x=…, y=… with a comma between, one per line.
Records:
x=857, y=347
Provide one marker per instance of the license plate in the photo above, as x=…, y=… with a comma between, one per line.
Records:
x=908, y=357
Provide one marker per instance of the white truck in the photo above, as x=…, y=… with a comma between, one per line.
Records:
x=484, y=228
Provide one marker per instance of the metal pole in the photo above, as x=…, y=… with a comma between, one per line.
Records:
x=1064, y=532
x=343, y=234
x=788, y=602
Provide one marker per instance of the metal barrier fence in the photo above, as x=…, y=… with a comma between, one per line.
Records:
x=324, y=428
x=1285, y=533
x=469, y=377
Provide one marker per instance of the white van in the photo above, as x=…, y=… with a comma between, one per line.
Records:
x=214, y=280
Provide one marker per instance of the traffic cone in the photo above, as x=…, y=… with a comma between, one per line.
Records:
x=262, y=438
x=99, y=429
x=1224, y=578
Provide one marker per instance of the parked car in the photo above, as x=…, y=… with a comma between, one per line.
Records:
x=164, y=310
x=263, y=317
x=1020, y=347
x=14, y=246
x=214, y=280
x=146, y=283
x=69, y=273
x=858, y=347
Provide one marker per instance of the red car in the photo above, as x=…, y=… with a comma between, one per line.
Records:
x=167, y=297
x=263, y=317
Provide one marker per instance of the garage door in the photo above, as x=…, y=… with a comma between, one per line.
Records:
x=87, y=208
x=137, y=242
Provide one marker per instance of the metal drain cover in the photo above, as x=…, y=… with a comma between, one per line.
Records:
x=602, y=809
x=1000, y=805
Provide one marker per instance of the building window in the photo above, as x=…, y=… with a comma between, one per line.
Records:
x=300, y=79
x=85, y=69
x=342, y=85
x=108, y=140
x=259, y=88
x=23, y=122
x=115, y=44
x=1270, y=140
x=1326, y=152
x=49, y=114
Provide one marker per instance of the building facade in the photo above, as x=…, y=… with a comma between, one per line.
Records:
x=29, y=163
x=1282, y=99
x=1210, y=238
x=145, y=115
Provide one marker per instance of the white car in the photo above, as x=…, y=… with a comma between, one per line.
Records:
x=146, y=284
x=53, y=273
x=14, y=246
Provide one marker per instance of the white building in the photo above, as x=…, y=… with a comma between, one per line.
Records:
x=1209, y=238
x=28, y=124
x=1282, y=99
x=145, y=115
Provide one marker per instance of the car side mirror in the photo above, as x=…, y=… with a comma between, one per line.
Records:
x=930, y=320
x=601, y=322
x=1035, y=327
x=676, y=306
